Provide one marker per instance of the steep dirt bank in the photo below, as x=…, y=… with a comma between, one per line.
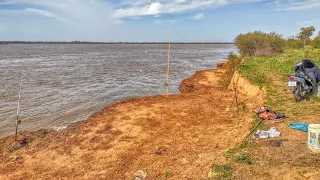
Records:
x=175, y=138
x=250, y=94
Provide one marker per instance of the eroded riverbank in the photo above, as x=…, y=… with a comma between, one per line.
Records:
x=179, y=137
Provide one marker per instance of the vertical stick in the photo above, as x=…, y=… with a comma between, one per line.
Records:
x=17, y=120
x=235, y=96
x=168, y=68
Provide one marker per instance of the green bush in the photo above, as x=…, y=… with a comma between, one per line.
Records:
x=293, y=43
x=233, y=63
x=315, y=43
x=259, y=43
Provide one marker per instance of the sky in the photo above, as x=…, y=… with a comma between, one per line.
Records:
x=151, y=20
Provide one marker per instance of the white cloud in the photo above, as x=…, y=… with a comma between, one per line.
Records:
x=158, y=21
x=44, y=13
x=170, y=6
x=298, y=4
x=309, y=22
x=60, y=19
x=198, y=16
x=168, y=22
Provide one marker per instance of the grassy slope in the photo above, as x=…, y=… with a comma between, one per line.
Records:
x=272, y=72
x=253, y=159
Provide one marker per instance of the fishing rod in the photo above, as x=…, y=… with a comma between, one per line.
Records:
x=18, y=108
x=168, y=68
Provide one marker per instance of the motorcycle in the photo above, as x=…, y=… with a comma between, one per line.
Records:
x=300, y=86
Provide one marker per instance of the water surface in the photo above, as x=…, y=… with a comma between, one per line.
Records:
x=67, y=83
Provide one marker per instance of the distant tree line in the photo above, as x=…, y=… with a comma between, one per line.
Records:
x=260, y=43
x=88, y=42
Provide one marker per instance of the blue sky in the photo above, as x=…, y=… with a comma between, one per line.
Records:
x=148, y=20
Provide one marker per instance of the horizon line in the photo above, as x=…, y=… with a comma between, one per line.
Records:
x=103, y=42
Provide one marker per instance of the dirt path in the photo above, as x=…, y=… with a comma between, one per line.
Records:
x=175, y=138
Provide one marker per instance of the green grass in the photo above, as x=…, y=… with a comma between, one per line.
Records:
x=223, y=171
x=244, y=144
x=244, y=158
x=255, y=121
x=231, y=153
x=240, y=154
x=167, y=174
x=272, y=73
x=301, y=172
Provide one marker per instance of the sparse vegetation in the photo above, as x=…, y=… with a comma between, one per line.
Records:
x=255, y=121
x=222, y=171
x=243, y=107
x=167, y=174
x=244, y=144
x=301, y=172
x=233, y=63
x=244, y=158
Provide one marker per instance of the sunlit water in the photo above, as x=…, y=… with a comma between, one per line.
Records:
x=62, y=84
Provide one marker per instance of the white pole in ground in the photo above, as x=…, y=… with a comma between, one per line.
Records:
x=168, y=68
x=17, y=120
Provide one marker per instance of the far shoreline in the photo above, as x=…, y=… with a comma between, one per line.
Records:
x=87, y=42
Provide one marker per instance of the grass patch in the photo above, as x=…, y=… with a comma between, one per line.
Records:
x=240, y=153
x=231, y=153
x=243, y=107
x=244, y=144
x=223, y=171
x=301, y=172
x=167, y=174
x=244, y=158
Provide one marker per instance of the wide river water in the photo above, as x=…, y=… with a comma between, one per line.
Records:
x=62, y=84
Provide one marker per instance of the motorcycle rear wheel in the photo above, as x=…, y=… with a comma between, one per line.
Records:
x=297, y=94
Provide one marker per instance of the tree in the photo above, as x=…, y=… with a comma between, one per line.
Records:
x=306, y=33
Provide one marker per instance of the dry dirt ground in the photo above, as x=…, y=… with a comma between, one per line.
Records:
x=175, y=138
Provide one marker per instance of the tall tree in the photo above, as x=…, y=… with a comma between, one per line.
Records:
x=306, y=33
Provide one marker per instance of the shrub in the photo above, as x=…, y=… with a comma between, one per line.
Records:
x=259, y=43
x=293, y=43
x=315, y=43
x=233, y=63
